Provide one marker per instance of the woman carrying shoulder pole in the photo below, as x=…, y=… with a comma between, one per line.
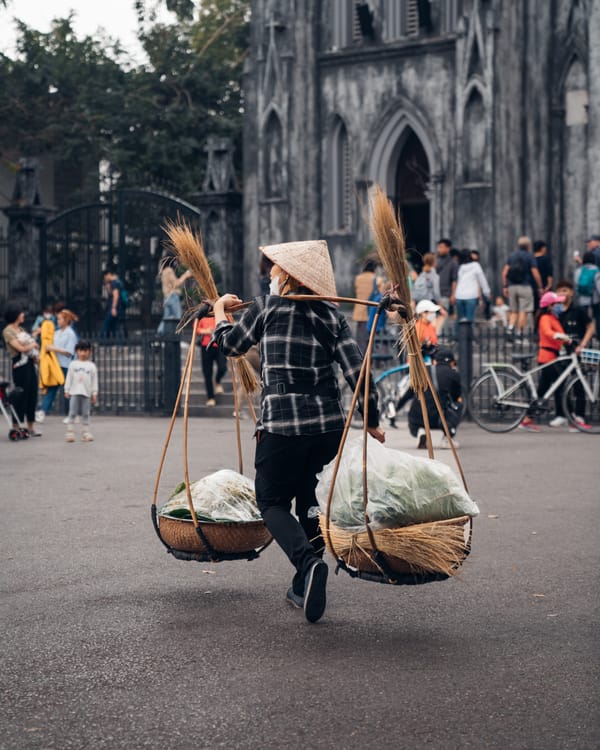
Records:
x=302, y=418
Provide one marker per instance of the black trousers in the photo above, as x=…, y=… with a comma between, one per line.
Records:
x=25, y=377
x=547, y=377
x=212, y=356
x=286, y=468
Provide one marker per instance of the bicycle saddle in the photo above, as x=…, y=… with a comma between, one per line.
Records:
x=522, y=357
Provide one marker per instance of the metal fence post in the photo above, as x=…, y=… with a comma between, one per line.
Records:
x=465, y=355
x=172, y=371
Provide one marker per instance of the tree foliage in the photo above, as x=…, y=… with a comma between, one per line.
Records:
x=80, y=101
x=49, y=100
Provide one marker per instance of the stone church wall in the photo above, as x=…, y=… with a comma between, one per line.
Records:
x=367, y=93
x=281, y=186
x=506, y=104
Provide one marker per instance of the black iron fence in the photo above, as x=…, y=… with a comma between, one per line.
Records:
x=137, y=375
x=141, y=374
x=123, y=228
x=472, y=344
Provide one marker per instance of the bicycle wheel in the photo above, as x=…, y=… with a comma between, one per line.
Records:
x=582, y=413
x=390, y=389
x=347, y=394
x=484, y=405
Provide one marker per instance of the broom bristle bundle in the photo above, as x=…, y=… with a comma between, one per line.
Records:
x=389, y=238
x=189, y=250
x=187, y=246
x=426, y=547
x=246, y=375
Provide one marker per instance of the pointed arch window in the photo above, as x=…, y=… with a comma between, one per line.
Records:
x=576, y=95
x=340, y=179
x=474, y=138
x=273, y=167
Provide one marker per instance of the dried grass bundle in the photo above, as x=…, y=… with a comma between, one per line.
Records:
x=187, y=246
x=389, y=238
x=246, y=375
x=438, y=547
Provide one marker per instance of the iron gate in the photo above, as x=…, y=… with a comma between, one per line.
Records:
x=122, y=228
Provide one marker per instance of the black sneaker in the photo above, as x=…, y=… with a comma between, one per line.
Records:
x=422, y=444
x=315, y=591
x=294, y=599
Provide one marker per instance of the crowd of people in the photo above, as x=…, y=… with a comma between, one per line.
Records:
x=448, y=287
x=451, y=286
x=53, y=360
x=49, y=360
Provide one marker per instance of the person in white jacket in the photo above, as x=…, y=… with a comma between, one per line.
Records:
x=471, y=286
x=81, y=388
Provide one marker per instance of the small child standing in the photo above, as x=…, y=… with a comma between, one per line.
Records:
x=81, y=388
x=500, y=312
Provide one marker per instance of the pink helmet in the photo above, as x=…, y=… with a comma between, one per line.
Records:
x=551, y=298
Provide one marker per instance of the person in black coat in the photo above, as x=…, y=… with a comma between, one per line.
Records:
x=446, y=380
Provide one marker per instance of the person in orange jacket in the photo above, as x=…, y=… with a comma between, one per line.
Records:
x=551, y=337
x=211, y=356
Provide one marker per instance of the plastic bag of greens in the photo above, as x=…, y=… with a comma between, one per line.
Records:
x=224, y=496
x=402, y=489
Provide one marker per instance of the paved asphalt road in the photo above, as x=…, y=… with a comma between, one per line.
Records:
x=108, y=642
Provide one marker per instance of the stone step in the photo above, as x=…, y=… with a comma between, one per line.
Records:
x=216, y=412
x=123, y=367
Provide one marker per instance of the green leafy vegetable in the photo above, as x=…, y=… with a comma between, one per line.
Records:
x=222, y=497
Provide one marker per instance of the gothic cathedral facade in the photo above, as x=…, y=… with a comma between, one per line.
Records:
x=480, y=118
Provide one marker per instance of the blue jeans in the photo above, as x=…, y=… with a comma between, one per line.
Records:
x=48, y=399
x=465, y=309
x=112, y=327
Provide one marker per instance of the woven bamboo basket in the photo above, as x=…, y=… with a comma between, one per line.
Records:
x=436, y=547
x=421, y=552
x=189, y=539
x=227, y=538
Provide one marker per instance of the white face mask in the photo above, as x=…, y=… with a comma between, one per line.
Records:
x=274, y=285
x=431, y=317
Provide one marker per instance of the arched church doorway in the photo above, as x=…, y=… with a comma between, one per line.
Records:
x=412, y=196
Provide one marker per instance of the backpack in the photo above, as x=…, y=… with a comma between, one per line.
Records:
x=124, y=298
x=585, y=282
x=422, y=288
x=518, y=271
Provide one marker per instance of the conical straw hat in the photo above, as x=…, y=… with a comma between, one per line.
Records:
x=308, y=262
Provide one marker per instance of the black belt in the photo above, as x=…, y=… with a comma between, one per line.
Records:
x=285, y=389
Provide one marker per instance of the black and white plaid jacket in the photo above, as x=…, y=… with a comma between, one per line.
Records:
x=300, y=344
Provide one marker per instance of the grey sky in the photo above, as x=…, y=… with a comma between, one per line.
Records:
x=117, y=17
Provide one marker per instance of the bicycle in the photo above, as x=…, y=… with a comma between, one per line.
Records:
x=392, y=385
x=503, y=394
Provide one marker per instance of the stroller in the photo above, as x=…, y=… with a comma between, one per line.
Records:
x=8, y=403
